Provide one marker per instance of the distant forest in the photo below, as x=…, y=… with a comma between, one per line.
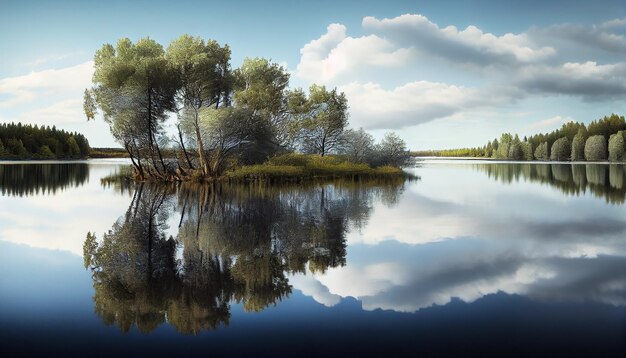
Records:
x=18, y=141
x=602, y=139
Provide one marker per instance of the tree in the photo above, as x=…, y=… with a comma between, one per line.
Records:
x=527, y=151
x=1, y=148
x=616, y=147
x=357, y=145
x=206, y=81
x=135, y=87
x=578, y=145
x=262, y=87
x=595, y=148
x=45, y=152
x=503, y=147
x=16, y=147
x=73, y=149
x=541, y=152
x=328, y=116
x=392, y=151
x=561, y=149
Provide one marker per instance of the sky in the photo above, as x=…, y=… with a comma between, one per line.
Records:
x=441, y=74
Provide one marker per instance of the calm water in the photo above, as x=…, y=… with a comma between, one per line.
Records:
x=472, y=259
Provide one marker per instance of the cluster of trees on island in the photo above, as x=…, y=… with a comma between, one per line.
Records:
x=225, y=117
x=603, y=139
x=24, y=141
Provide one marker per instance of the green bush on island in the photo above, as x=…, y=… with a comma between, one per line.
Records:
x=595, y=148
x=616, y=147
x=561, y=149
x=541, y=153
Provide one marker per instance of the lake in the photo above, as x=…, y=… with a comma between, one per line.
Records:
x=473, y=258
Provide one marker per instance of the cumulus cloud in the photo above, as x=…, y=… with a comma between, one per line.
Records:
x=601, y=37
x=373, y=107
x=335, y=54
x=471, y=45
x=589, y=80
x=68, y=82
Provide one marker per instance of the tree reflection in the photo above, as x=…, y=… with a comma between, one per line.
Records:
x=603, y=181
x=32, y=179
x=234, y=243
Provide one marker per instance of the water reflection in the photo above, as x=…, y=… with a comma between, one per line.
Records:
x=41, y=178
x=231, y=244
x=603, y=181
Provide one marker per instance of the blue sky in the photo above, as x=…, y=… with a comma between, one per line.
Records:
x=440, y=73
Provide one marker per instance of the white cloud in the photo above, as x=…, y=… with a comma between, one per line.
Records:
x=334, y=54
x=68, y=82
x=550, y=123
x=471, y=45
x=373, y=107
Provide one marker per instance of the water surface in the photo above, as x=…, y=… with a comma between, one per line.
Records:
x=475, y=257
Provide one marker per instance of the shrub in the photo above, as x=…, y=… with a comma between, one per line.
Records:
x=561, y=149
x=541, y=153
x=578, y=147
x=616, y=147
x=527, y=151
x=595, y=148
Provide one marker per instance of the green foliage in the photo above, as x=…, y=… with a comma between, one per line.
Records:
x=25, y=142
x=607, y=126
x=391, y=151
x=616, y=147
x=323, y=127
x=46, y=153
x=561, y=149
x=541, y=152
x=595, y=148
x=300, y=167
x=527, y=151
x=515, y=151
x=578, y=145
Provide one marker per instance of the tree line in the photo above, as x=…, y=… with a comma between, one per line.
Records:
x=24, y=141
x=602, y=139
x=224, y=117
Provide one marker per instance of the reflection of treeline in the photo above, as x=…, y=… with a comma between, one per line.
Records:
x=604, y=181
x=238, y=244
x=601, y=140
x=19, y=141
x=31, y=179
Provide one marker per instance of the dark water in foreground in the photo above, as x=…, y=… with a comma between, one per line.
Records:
x=473, y=259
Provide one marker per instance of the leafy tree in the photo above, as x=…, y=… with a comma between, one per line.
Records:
x=561, y=149
x=578, y=145
x=357, y=145
x=16, y=147
x=595, y=148
x=45, y=152
x=73, y=149
x=392, y=151
x=541, y=152
x=527, y=151
x=328, y=118
x=206, y=81
x=616, y=147
x=1, y=147
x=135, y=87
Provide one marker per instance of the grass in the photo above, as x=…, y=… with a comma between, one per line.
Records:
x=301, y=167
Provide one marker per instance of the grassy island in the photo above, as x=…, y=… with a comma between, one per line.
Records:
x=242, y=124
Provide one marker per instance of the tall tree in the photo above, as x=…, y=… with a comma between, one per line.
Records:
x=206, y=81
x=135, y=87
x=328, y=117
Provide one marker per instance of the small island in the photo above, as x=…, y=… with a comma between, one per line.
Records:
x=237, y=124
